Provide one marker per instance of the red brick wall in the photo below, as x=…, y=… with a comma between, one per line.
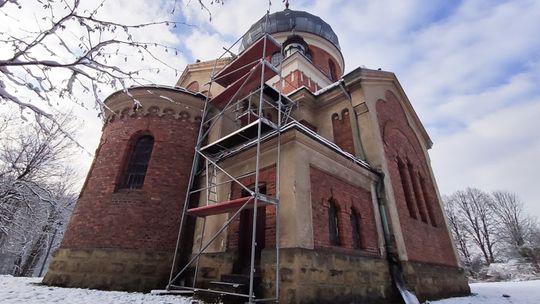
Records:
x=295, y=80
x=146, y=218
x=341, y=127
x=347, y=198
x=426, y=237
x=320, y=59
x=267, y=176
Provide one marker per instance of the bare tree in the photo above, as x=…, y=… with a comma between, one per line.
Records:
x=515, y=227
x=71, y=49
x=474, y=208
x=36, y=186
x=457, y=226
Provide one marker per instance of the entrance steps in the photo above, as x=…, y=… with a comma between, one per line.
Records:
x=232, y=288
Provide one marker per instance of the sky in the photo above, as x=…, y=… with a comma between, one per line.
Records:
x=471, y=69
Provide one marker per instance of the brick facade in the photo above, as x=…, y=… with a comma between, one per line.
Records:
x=321, y=59
x=144, y=218
x=348, y=198
x=267, y=177
x=420, y=215
x=342, y=130
x=296, y=79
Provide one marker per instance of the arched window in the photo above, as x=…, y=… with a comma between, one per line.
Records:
x=407, y=188
x=356, y=235
x=193, y=86
x=333, y=224
x=138, y=163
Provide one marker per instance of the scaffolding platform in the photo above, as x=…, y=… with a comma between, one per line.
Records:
x=245, y=84
x=241, y=65
x=239, y=137
x=229, y=206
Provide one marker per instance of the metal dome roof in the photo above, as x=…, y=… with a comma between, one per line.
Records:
x=287, y=21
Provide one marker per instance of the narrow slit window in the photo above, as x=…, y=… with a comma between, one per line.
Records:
x=405, y=183
x=356, y=230
x=138, y=163
x=333, y=226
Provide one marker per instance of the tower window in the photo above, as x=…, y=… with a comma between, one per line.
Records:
x=332, y=69
x=333, y=224
x=138, y=163
x=294, y=47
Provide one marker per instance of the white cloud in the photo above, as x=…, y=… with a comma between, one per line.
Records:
x=205, y=46
x=499, y=151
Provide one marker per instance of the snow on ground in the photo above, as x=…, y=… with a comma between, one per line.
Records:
x=525, y=292
x=17, y=290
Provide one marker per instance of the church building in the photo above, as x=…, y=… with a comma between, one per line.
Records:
x=267, y=174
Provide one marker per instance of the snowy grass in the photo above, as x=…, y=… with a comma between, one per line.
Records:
x=28, y=290
x=17, y=290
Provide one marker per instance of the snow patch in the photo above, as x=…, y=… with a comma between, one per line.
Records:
x=16, y=290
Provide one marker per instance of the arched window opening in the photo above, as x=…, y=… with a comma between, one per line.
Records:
x=138, y=163
x=333, y=223
x=417, y=193
x=295, y=43
x=332, y=69
x=356, y=234
x=407, y=191
x=193, y=86
x=428, y=201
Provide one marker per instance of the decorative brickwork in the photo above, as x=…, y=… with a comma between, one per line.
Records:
x=296, y=79
x=425, y=240
x=341, y=127
x=348, y=198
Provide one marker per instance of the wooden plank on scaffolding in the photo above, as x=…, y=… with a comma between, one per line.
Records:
x=238, y=137
x=241, y=65
x=225, y=207
x=246, y=84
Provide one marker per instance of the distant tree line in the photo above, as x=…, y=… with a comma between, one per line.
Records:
x=491, y=227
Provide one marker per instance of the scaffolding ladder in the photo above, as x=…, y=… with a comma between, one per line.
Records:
x=247, y=96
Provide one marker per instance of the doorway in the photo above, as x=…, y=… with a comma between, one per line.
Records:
x=245, y=233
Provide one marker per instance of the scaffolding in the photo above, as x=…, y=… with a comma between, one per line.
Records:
x=258, y=112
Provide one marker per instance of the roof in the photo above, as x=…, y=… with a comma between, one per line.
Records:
x=288, y=21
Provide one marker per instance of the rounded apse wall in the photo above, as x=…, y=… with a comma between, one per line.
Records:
x=123, y=231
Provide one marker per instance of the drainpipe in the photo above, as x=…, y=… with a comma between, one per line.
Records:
x=396, y=269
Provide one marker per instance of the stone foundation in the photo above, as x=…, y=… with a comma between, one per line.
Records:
x=309, y=276
x=109, y=269
x=431, y=282
x=325, y=276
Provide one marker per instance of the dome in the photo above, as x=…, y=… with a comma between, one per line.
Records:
x=288, y=21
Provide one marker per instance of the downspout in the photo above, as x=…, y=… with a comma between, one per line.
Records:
x=396, y=269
